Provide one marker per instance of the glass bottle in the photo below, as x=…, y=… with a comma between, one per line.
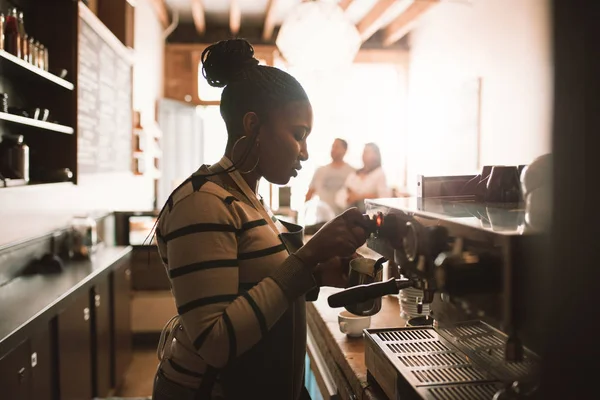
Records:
x=46, y=66
x=41, y=56
x=25, y=54
x=22, y=35
x=31, y=47
x=1, y=31
x=35, y=52
x=12, y=38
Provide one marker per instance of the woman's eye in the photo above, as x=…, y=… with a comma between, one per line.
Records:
x=300, y=136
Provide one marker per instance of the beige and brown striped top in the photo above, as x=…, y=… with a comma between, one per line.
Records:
x=239, y=294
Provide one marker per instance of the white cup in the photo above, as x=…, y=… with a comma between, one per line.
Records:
x=353, y=325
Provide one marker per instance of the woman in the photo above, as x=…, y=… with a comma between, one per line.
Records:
x=239, y=276
x=369, y=182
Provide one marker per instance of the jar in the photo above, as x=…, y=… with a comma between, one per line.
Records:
x=14, y=157
x=84, y=236
x=4, y=102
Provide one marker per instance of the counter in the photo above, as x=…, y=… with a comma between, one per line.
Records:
x=30, y=301
x=344, y=357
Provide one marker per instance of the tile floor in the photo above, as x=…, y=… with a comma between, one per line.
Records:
x=140, y=375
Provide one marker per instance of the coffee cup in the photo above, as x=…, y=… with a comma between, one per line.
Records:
x=353, y=325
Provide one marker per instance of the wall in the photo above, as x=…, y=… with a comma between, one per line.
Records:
x=149, y=60
x=507, y=44
x=99, y=192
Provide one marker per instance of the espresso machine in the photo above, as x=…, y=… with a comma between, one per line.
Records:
x=471, y=260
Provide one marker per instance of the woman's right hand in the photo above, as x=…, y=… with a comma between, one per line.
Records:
x=340, y=237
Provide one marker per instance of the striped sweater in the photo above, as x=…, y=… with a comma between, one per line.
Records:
x=239, y=295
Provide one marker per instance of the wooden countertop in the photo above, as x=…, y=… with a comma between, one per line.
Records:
x=345, y=356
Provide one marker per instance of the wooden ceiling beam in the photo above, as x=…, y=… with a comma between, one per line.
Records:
x=198, y=16
x=235, y=18
x=370, y=23
x=399, y=27
x=269, y=26
x=344, y=4
x=161, y=11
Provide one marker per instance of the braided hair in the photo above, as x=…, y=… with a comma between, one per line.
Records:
x=248, y=86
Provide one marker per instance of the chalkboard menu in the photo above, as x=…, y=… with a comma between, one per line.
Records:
x=104, y=136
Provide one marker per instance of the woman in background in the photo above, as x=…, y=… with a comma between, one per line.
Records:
x=369, y=182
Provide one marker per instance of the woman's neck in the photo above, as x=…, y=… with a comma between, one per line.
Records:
x=251, y=178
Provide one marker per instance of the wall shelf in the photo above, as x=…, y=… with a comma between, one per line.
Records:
x=16, y=65
x=36, y=123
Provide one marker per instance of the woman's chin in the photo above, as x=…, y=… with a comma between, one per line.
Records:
x=279, y=180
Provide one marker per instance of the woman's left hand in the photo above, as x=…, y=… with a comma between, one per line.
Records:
x=334, y=272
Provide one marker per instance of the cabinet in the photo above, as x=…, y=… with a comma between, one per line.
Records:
x=26, y=372
x=121, y=318
x=74, y=349
x=101, y=338
x=43, y=373
x=15, y=373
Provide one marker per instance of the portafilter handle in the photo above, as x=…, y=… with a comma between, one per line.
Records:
x=361, y=293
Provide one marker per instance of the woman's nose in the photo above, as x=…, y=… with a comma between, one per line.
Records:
x=304, y=152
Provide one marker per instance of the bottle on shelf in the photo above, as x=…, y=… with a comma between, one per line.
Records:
x=25, y=53
x=41, y=56
x=22, y=35
x=1, y=31
x=35, y=53
x=46, y=66
x=12, y=37
x=32, y=50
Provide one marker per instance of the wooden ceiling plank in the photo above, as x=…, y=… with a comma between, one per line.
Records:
x=399, y=27
x=235, y=18
x=269, y=26
x=344, y=4
x=198, y=16
x=368, y=25
x=161, y=11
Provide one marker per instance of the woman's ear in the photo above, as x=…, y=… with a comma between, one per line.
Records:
x=251, y=124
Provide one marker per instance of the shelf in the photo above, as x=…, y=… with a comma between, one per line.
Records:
x=36, y=123
x=7, y=59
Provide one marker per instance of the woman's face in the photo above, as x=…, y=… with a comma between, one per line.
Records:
x=282, y=141
x=369, y=157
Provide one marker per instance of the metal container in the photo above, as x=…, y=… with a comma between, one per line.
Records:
x=364, y=271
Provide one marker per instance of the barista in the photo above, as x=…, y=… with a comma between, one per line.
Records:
x=239, y=276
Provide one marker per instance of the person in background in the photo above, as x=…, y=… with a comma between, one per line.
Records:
x=330, y=178
x=240, y=276
x=369, y=182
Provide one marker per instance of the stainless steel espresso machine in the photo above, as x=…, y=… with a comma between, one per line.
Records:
x=471, y=260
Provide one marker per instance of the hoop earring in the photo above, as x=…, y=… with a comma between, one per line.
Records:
x=233, y=152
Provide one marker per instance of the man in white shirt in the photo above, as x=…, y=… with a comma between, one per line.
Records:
x=330, y=178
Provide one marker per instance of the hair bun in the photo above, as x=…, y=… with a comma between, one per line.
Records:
x=222, y=61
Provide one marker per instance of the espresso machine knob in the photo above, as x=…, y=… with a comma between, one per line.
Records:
x=468, y=273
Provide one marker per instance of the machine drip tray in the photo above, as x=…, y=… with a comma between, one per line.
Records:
x=465, y=361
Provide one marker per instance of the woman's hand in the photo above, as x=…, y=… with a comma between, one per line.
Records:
x=340, y=237
x=334, y=272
